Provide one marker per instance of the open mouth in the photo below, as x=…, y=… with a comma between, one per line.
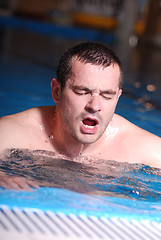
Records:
x=90, y=123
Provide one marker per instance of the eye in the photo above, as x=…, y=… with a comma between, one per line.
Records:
x=81, y=91
x=106, y=96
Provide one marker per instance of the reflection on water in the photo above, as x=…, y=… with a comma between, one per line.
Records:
x=84, y=174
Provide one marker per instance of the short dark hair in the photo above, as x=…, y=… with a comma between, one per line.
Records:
x=87, y=52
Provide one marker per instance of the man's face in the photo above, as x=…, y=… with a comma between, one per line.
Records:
x=88, y=101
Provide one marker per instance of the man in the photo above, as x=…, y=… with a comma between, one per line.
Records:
x=83, y=123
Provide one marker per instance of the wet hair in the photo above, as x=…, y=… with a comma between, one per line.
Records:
x=88, y=52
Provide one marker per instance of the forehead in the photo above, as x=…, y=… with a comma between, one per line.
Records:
x=95, y=76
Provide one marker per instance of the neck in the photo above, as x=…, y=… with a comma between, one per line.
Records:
x=68, y=148
x=65, y=144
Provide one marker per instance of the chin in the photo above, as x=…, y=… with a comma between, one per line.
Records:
x=88, y=139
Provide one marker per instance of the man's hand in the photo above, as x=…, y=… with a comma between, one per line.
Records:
x=17, y=183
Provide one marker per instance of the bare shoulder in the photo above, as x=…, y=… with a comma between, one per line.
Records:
x=133, y=131
x=17, y=129
x=10, y=122
x=12, y=128
x=140, y=143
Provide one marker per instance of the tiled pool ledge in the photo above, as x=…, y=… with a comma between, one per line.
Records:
x=37, y=224
x=56, y=30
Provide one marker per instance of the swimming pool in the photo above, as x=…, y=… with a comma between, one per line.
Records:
x=25, y=83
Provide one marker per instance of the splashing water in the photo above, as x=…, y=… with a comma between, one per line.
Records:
x=84, y=174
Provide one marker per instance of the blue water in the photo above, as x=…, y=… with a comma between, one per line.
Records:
x=135, y=194
x=64, y=201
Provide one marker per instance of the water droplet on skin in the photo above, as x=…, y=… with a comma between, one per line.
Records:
x=111, y=132
x=42, y=127
x=51, y=137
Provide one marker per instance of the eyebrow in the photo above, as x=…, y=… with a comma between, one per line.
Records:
x=110, y=92
x=80, y=87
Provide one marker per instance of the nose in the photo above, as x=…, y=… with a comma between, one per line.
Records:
x=93, y=104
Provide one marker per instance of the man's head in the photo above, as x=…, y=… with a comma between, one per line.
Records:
x=88, y=52
x=86, y=92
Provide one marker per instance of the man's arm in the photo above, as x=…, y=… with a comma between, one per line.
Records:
x=10, y=133
x=145, y=147
x=16, y=183
x=10, y=137
x=11, y=179
x=151, y=150
x=139, y=145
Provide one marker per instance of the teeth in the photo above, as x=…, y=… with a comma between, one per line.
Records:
x=87, y=126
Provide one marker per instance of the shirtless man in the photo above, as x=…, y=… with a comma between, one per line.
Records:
x=83, y=123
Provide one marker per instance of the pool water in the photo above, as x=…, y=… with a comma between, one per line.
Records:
x=72, y=187
x=85, y=175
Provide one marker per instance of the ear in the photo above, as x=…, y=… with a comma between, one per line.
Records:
x=120, y=92
x=55, y=90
